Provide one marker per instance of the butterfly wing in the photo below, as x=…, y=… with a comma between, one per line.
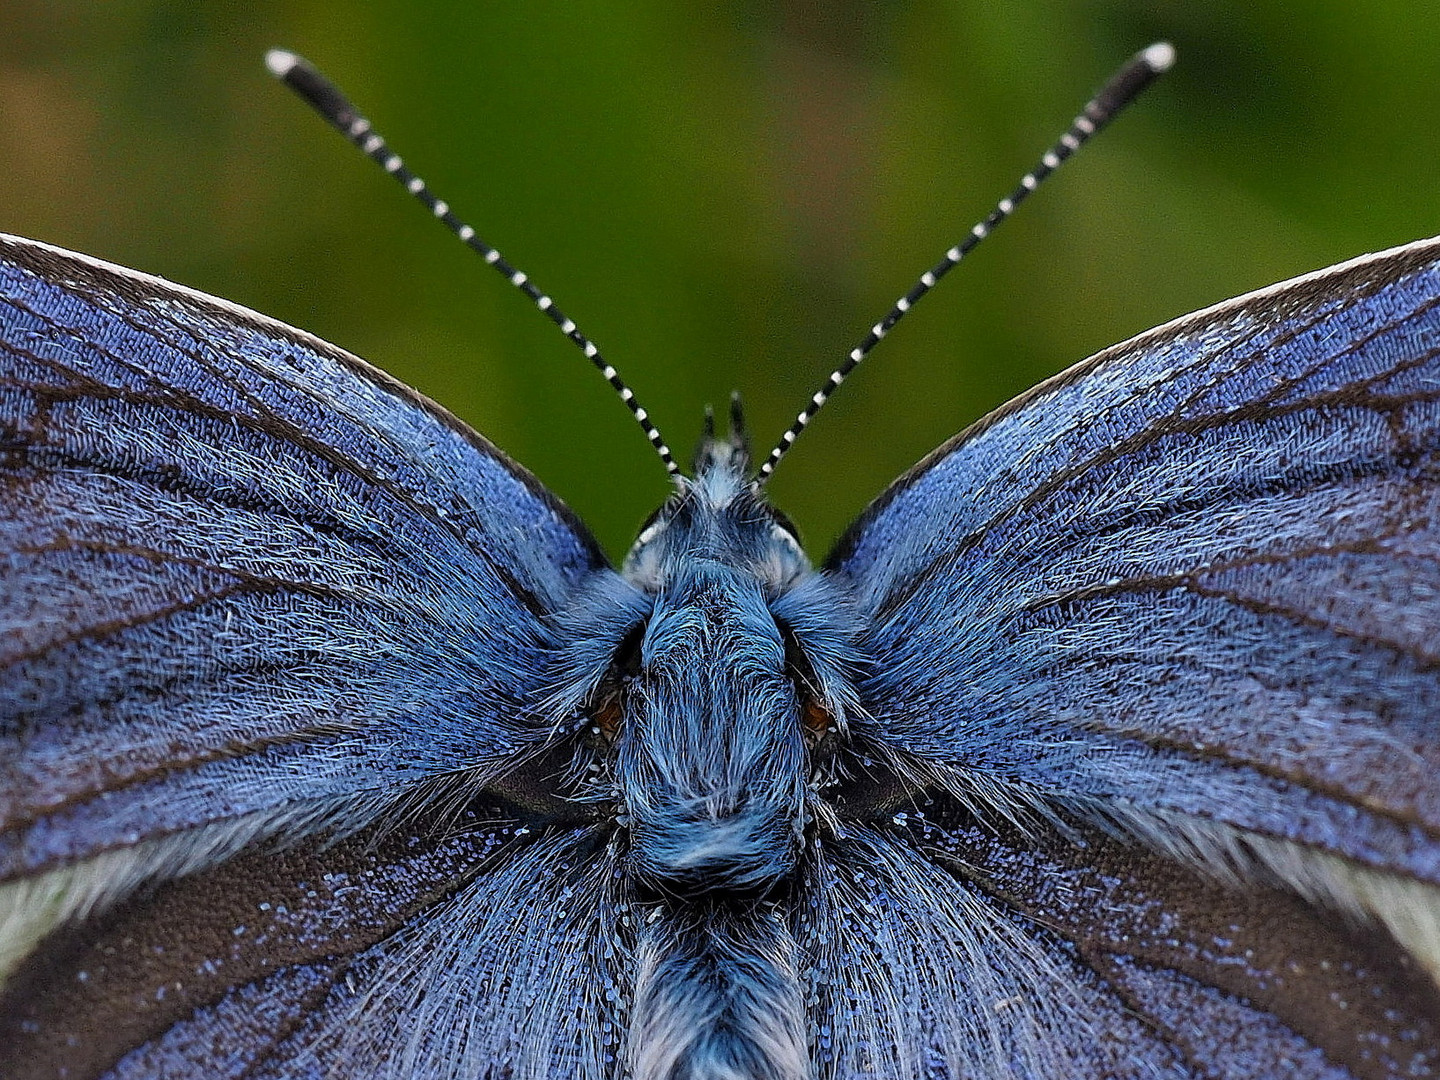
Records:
x=439, y=947
x=1188, y=592
x=942, y=946
x=249, y=587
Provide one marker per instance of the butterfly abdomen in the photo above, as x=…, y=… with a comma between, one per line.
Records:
x=718, y=998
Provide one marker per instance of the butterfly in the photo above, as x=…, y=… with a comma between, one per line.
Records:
x=1104, y=744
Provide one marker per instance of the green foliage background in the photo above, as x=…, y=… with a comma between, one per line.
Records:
x=723, y=193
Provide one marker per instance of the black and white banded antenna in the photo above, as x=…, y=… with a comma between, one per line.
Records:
x=1124, y=87
x=325, y=98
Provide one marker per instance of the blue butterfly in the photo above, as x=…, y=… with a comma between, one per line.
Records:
x=1105, y=744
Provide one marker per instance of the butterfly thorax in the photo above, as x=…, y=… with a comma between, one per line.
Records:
x=711, y=695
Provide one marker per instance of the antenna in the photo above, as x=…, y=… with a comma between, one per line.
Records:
x=1124, y=87
x=326, y=99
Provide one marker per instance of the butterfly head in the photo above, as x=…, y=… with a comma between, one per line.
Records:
x=721, y=512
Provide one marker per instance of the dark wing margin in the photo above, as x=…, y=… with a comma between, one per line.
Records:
x=250, y=586
x=1190, y=589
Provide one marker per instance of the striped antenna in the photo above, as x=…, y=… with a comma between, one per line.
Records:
x=1126, y=84
x=325, y=98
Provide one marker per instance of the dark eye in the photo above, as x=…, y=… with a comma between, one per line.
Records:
x=816, y=721
x=607, y=708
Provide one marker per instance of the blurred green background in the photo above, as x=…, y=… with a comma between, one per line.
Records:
x=723, y=193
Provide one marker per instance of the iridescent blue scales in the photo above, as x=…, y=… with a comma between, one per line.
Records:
x=1105, y=745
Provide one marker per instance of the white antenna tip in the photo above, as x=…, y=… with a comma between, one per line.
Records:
x=281, y=62
x=1160, y=56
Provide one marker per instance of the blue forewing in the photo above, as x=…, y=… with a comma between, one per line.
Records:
x=1104, y=744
